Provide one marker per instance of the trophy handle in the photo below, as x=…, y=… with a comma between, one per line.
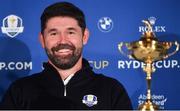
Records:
x=120, y=47
x=172, y=53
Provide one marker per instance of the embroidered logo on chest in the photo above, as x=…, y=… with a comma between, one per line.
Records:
x=90, y=100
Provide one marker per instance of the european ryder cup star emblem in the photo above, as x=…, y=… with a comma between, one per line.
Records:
x=12, y=26
x=90, y=100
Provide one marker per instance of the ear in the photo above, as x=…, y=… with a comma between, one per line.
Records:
x=41, y=39
x=86, y=36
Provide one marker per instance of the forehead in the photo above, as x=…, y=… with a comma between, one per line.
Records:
x=61, y=22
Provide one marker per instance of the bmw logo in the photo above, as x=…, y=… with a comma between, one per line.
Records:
x=105, y=24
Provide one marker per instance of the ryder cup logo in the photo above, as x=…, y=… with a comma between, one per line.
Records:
x=105, y=24
x=90, y=100
x=12, y=25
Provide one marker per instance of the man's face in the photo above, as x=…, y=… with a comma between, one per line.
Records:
x=63, y=41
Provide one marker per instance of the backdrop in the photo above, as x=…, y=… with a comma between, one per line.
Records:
x=110, y=22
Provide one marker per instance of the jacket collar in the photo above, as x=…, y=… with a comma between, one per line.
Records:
x=48, y=68
x=53, y=82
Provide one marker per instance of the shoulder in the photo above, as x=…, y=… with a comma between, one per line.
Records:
x=29, y=79
x=108, y=81
x=22, y=89
x=26, y=82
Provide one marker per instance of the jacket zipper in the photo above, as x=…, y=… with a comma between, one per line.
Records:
x=64, y=90
x=66, y=82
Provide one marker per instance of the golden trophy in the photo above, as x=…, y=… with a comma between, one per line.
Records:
x=148, y=50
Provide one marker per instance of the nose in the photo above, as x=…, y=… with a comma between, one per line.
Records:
x=63, y=38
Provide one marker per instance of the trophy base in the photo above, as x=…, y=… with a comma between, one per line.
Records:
x=148, y=106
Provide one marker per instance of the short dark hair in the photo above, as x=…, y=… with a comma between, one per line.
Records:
x=63, y=9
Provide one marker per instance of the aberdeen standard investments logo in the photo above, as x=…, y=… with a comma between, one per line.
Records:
x=159, y=100
x=105, y=24
x=12, y=25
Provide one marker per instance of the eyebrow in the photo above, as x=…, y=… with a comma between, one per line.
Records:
x=51, y=30
x=72, y=28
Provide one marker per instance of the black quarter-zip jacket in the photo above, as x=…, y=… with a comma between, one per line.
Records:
x=45, y=90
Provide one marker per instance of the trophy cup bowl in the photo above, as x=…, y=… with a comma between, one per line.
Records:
x=148, y=50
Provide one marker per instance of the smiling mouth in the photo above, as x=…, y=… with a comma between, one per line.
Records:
x=64, y=52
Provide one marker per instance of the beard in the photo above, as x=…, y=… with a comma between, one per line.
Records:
x=66, y=61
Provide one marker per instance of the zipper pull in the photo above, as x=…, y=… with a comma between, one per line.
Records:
x=64, y=90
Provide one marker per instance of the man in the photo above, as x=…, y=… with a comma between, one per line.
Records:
x=67, y=81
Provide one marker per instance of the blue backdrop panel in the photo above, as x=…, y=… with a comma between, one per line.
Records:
x=110, y=22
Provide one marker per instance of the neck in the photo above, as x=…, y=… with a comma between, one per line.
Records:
x=65, y=73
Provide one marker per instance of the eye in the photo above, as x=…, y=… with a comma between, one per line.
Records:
x=71, y=32
x=53, y=34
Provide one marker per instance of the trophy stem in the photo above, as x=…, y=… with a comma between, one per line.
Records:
x=148, y=105
x=148, y=79
x=149, y=89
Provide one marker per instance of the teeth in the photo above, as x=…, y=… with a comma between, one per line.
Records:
x=63, y=50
